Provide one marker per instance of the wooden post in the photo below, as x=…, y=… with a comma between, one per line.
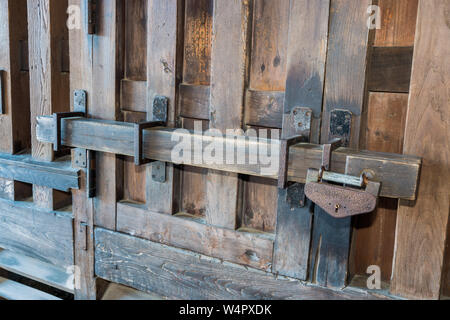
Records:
x=164, y=61
x=422, y=226
x=344, y=90
x=81, y=56
x=308, y=33
x=49, y=84
x=15, y=115
x=228, y=82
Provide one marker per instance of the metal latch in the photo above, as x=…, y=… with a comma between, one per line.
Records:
x=340, y=195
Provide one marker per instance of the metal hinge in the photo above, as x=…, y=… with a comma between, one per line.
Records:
x=92, y=16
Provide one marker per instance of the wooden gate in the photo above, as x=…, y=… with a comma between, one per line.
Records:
x=210, y=231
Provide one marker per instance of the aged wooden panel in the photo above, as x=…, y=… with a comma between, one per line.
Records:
x=344, y=89
x=107, y=71
x=375, y=233
x=133, y=95
x=422, y=226
x=228, y=74
x=185, y=232
x=164, y=54
x=398, y=23
x=15, y=115
x=178, y=274
x=390, y=69
x=135, y=40
x=304, y=88
x=194, y=101
x=264, y=108
x=44, y=235
x=399, y=174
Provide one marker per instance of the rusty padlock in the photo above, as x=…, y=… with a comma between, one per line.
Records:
x=341, y=201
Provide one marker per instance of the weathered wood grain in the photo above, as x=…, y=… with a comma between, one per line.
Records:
x=345, y=88
x=304, y=88
x=135, y=40
x=164, y=54
x=40, y=234
x=398, y=23
x=185, y=232
x=390, y=69
x=374, y=234
x=178, y=274
x=228, y=80
x=422, y=226
x=398, y=174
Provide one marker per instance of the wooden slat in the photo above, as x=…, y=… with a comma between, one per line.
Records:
x=265, y=108
x=15, y=117
x=374, y=233
x=390, y=69
x=398, y=23
x=44, y=235
x=49, y=85
x=135, y=40
x=178, y=274
x=11, y=290
x=116, y=292
x=194, y=101
x=57, y=175
x=36, y=270
x=344, y=89
x=422, y=227
x=228, y=75
x=81, y=57
x=164, y=41
x=187, y=233
x=304, y=88
x=133, y=95
x=107, y=71
x=399, y=174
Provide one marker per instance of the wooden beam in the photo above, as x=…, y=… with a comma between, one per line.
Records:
x=37, y=233
x=190, y=233
x=49, y=85
x=308, y=35
x=173, y=273
x=422, y=226
x=164, y=52
x=398, y=174
x=345, y=89
x=81, y=56
x=228, y=80
x=57, y=175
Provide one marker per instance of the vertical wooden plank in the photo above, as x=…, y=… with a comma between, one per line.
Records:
x=344, y=89
x=81, y=58
x=374, y=233
x=107, y=72
x=135, y=70
x=398, y=23
x=228, y=82
x=15, y=117
x=422, y=226
x=196, y=72
x=308, y=31
x=267, y=73
x=49, y=85
x=165, y=42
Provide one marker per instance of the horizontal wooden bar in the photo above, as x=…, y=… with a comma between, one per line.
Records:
x=36, y=270
x=397, y=173
x=58, y=175
x=390, y=69
x=179, y=274
x=251, y=249
x=37, y=233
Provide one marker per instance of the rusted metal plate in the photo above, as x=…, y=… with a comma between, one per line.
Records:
x=340, y=202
